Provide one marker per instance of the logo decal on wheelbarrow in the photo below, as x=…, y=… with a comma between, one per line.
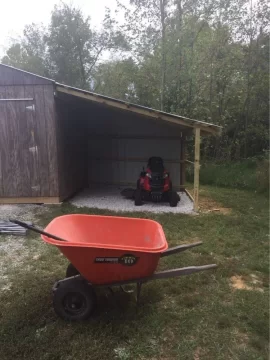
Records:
x=127, y=260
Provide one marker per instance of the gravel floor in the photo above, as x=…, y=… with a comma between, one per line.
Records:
x=110, y=198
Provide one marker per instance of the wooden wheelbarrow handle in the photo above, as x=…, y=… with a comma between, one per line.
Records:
x=180, y=248
x=39, y=231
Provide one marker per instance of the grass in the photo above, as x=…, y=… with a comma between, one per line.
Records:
x=250, y=174
x=195, y=317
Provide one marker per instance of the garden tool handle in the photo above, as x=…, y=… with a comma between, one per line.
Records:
x=33, y=228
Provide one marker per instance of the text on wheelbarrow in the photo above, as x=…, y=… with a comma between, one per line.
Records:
x=127, y=260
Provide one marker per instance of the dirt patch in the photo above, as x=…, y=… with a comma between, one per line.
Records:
x=198, y=353
x=241, y=338
x=249, y=283
x=208, y=205
x=168, y=335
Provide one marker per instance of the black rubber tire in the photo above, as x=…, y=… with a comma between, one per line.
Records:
x=71, y=271
x=138, y=197
x=74, y=300
x=174, y=198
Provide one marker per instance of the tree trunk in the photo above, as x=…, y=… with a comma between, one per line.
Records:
x=211, y=90
x=190, y=81
x=163, y=56
x=82, y=70
x=249, y=69
x=180, y=20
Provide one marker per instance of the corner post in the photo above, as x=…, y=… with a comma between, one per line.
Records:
x=182, y=162
x=197, y=168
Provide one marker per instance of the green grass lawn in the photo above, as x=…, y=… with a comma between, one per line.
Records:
x=196, y=317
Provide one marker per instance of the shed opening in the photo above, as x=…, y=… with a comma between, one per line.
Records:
x=56, y=140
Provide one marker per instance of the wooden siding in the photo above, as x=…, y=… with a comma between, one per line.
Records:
x=71, y=149
x=28, y=160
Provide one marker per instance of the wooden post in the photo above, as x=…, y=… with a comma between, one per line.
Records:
x=182, y=163
x=197, y=168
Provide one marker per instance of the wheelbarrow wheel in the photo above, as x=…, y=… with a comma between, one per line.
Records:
x=74, y=300
x=71, y=271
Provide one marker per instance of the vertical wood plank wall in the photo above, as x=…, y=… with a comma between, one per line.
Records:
x=28, y=159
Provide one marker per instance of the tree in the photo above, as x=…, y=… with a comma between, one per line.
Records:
x=68, y=50
x=70, y=44
x=117, y=79
x=31, y=53
x=152, y=15
x=74, y=48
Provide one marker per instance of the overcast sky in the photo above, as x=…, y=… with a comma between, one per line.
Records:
x=15, y=14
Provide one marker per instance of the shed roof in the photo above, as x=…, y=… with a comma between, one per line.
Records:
x=126, y=106
x=138, y=109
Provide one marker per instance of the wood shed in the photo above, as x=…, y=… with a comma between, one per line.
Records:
x=56, y=140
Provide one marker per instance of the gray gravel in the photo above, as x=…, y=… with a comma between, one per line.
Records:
x=23, y=212
x=109, y=198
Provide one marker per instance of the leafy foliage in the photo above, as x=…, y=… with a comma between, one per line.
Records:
x=31, y=53
x=68, y=50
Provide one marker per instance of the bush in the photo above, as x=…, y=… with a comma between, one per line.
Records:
x=251, y=174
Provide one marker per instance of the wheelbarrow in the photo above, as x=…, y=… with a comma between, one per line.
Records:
x=106, y=251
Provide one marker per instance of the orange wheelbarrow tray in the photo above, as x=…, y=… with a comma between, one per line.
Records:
x=106, y=251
